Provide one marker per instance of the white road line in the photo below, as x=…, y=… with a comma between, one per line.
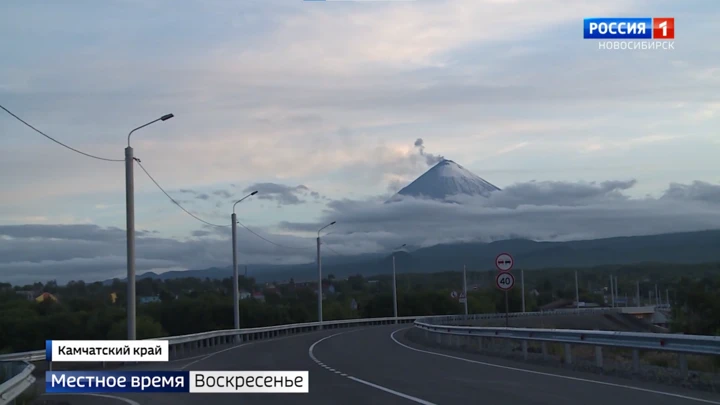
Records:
x=629, y=387
x=205, y=357
x=369, y=384
x=125, y=400
x=212, y=354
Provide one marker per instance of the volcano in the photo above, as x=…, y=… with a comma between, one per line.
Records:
x=444, y=180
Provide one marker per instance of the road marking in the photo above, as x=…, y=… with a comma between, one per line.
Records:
x=121, y=399
x=369, y=384
x=212, y=354
x=205, y=357
x=629, y=387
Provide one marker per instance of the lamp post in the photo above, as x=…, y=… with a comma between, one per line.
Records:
x=236, y=295
x=394, y=281
x=130, y=221
x=319, y=264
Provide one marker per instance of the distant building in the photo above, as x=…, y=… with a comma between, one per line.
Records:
x=244, y=295
x=28, y=295
x=259, y=296
x=46, y=297
x=147, y=300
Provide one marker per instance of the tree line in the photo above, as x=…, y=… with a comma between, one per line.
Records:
x=96, y=311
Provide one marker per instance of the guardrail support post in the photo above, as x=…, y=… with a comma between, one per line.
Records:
x=636, y=360
x=598, y=356
x=682, y=359
x=525, y=349
x=568, y=353
x=543, y=346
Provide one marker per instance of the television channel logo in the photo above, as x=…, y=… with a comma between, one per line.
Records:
x=631, y=33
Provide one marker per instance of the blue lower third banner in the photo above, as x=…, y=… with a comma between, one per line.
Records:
x=79, y=382
x=205, y=382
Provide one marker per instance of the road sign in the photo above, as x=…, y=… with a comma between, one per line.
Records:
x=505, y=281
x=504, y=262
x=462, y=298
x=453, y=294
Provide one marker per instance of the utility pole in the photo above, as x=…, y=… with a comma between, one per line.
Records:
x=577, y=292
x=656, y=295
x=612, y=291
x=130, y=228
x=236, y=277
x=617, y=292
x=465, y=288
x=394, y=289
x=319, y=265
x=667, y=297
x=319, y=287
x=522, y=288
x=235, y=293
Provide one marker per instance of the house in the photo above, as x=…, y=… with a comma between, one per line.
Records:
x=147, y=300
x=244, y=295
x=259, y=296
x=28, y=295
x=46, y=297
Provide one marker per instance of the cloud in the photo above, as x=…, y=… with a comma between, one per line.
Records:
x=535, y=210
x=222, y=193
x=203, y=197
x=31, y=253
x=282, y=194
x=545, y=211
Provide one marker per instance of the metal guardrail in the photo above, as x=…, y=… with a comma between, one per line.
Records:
x=675, y=343
x=22, y=379
x=186, y=344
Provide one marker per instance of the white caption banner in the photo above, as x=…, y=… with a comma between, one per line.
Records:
x=107, y=350
x=276, y=382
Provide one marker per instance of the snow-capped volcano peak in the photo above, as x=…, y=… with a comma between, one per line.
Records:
x=447, y=179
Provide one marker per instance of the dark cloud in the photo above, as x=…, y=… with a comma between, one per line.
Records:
x=282, y=194
x=203, y=196
x=535, y=210
x=186, y=191
x=72, y=252
x=222, y=193
x=430, y=159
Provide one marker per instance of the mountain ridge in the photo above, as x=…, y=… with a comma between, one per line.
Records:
x=680, y=248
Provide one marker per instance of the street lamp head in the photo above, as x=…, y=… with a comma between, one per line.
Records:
x=332, y=223
x=167, y=117
x=403, y=245
x=253, y=193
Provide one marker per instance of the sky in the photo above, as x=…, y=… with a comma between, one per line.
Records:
x=327, y=109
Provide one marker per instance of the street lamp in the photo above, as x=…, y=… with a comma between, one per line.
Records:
x=130, y=220
x=236, y=295
x=319, y=264
x=394, y=281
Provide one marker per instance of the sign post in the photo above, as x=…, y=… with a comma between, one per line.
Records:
x=505, y=281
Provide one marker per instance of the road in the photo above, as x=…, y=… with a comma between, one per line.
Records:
x=377, y=366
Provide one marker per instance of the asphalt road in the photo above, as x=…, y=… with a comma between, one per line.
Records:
x=369, y=366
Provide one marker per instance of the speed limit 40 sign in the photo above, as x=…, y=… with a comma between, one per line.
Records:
x=505, y=281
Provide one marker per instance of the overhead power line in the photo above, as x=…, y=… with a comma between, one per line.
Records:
x=206, y=222
x=56, y=141
x=333, y=250
x=269, y=241
x=173, y=200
